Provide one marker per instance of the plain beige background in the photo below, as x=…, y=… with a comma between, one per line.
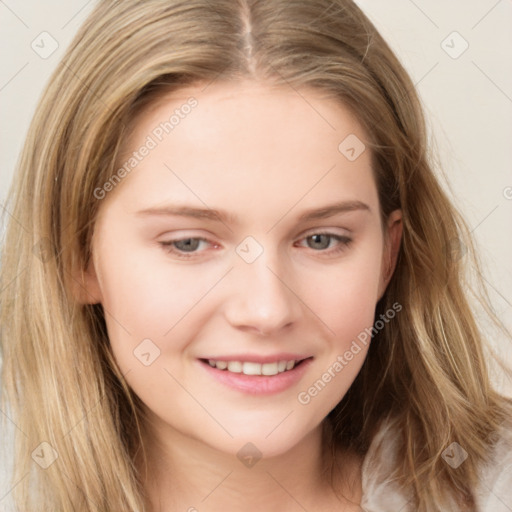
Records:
x=459, y=54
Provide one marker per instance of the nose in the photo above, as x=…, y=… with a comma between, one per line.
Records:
x=261, y=297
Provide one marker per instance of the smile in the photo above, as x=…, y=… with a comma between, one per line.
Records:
x=257, y=378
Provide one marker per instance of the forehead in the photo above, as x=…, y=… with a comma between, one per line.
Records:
x=268, y=144
x=254, y=104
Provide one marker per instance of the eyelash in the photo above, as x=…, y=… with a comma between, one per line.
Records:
x=344, y=242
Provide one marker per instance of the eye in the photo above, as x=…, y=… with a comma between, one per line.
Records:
x=322, y=241
x=185, y=247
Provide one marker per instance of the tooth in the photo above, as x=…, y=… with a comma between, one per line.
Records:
x=251, y=368
x=235, y=366
x=269, y=369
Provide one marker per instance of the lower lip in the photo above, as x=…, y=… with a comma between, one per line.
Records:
x=259, y=384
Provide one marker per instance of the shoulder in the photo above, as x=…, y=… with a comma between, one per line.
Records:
x=382, y=494
x=380, y=490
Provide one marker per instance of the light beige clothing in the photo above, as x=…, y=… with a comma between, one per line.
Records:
x=380, y=494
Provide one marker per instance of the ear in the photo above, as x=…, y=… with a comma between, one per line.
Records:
x=392, y=239
x=86, y=286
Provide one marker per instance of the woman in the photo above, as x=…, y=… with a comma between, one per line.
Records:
x=242, y=288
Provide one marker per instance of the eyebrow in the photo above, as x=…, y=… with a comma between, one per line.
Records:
x=229, y=218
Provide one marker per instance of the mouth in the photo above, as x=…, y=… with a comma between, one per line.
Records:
x=254, y=368
x=268, y=376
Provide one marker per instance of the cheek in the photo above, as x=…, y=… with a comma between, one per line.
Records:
x=349, y=309
x=345, y=295
x=345, y=301
x=145, y=298
x=148, y=295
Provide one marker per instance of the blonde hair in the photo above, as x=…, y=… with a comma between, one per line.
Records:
x=427, y=370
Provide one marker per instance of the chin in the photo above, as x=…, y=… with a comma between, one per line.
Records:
x=252, y=440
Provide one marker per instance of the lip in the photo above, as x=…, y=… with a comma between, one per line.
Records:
x=258, y=384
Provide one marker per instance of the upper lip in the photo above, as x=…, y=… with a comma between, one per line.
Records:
x=258, y=358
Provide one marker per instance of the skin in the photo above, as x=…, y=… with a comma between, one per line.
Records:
x=265, y=155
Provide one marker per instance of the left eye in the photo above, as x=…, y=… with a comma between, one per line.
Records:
x=322, y=241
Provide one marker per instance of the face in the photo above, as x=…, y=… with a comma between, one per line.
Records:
x=248, y=239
